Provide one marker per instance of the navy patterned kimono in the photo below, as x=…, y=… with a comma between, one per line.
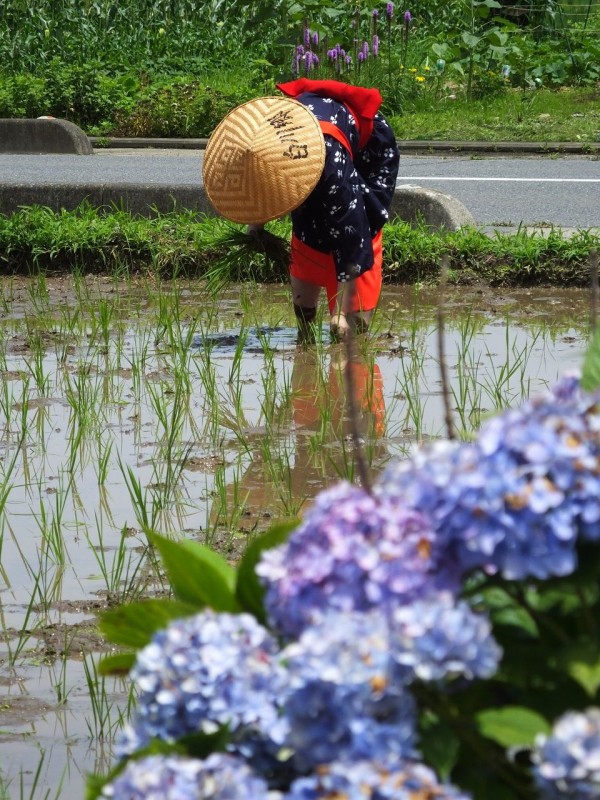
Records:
x=350, y=203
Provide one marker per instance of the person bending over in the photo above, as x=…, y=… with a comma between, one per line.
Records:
x=326, y=154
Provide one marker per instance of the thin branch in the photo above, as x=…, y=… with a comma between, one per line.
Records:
x=594, y=285
x=361, y=461
x=450, y=427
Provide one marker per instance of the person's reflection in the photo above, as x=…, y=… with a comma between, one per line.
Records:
x=316, y=419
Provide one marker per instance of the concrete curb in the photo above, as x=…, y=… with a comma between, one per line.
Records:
x=406, y=146
x=410, y=203
x=22, y=136
x=438, y=210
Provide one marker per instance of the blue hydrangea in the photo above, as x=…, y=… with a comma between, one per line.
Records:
x=367, y=780
x=347, y=697
x=352, y=551
x=567, y=762
x=440, y=638
x=517, y=499
x=219, y=777
x=204, y=672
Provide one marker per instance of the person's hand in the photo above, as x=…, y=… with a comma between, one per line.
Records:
x=339, y=325
x=256, y=231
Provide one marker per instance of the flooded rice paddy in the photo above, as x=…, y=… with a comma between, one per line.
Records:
x=132, y=403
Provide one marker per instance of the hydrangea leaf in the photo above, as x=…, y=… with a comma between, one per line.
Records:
x=590, y=372
x=118, y=664
x=511, y=726
x=134, y=624
x=249, y=590
x=197, y=574
x=440, y=745
x=582, y=663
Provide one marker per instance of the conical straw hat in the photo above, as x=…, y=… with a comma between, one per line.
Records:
x=263, y=159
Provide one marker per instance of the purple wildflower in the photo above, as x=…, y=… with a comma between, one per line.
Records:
x=375, y=46
x=306, y=36
x=365, y=49
x=315, y=39
x=369, y=780
x=375, y=13
x=219, y=777
x=389, y=11
x=567, y=762
x=308, y=61
x=407, y=18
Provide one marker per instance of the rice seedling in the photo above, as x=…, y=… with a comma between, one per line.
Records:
x=103, y=722
x=119, y=573
x=229, y=502
x=500, y=386
x=28, y=787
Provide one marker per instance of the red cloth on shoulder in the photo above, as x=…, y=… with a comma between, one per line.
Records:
x=363, y=103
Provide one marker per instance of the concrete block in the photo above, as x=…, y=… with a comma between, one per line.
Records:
x=43, y=136
x=436, y=209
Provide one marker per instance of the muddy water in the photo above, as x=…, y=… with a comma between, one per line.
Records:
x=125, y=401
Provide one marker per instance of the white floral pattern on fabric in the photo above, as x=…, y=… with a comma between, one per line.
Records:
x=349, y=205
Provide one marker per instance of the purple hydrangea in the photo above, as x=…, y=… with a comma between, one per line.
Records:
x=567, y=762
x=203, y=672
x=517, y=499
x=367, y=780
x=439, y=637
x=347, y=697
x=352, y=551
x=219, y=777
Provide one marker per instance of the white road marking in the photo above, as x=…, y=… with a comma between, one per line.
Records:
x=404, y=178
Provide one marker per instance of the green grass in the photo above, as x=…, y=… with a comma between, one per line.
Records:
x=568, y=115
x=39, y=241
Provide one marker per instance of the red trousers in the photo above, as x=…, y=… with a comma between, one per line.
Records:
x=318, y=268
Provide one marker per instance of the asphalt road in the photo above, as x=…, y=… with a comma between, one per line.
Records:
x=498, y=191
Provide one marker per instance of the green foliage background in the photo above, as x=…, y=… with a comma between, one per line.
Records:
x=161, y=68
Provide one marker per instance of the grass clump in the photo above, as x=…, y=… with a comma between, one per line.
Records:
x=36, y=239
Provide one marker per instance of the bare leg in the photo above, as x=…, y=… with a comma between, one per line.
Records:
x=305, y=297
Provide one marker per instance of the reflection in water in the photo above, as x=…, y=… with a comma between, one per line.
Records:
x=319, y=446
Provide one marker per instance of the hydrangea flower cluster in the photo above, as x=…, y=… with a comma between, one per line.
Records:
x=204, y=672
x=567, y=763
x=365, y=599
x=516, y=500
x=366, y=780
x=219, y=777
x=352, y=552
x=440, y=638
x=347, y=697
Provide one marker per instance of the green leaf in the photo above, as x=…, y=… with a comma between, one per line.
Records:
x=200, y=745
x=582, y=662
x=511, y=726
x=470, y=40
x=590, y=372
x=197, y=574
x=440, y=746
x=134, y=624
x=249, y=591
x=119, y=664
